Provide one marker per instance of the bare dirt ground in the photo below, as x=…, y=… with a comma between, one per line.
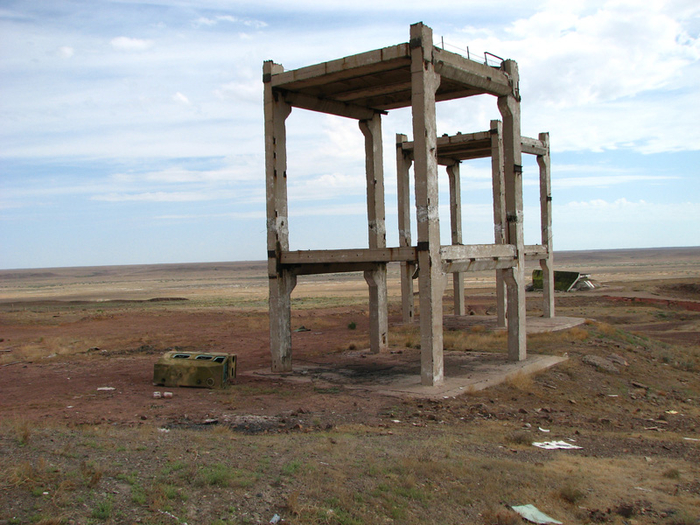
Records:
x=322, y=450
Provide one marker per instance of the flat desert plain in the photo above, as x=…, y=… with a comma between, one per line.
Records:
x=84, y=440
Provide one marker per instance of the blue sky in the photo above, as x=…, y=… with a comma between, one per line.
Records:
x=132, y=131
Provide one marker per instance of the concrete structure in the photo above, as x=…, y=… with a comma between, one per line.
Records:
x=450, y=152
x=363, y=87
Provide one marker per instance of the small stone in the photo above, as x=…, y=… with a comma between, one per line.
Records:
x=618, y=359
x=600, y=363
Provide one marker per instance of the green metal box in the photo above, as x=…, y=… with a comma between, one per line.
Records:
x=198, y=369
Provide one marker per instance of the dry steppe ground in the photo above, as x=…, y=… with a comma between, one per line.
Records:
x=325, y=450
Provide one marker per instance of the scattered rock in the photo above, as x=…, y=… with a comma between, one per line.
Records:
x=600, y=363
x=618, y=360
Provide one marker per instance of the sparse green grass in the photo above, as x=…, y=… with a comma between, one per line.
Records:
x=103, y=510
x=289, y=469
x=221, y=475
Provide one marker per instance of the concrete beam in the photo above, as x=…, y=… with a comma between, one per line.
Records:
x=477, y=251
x=470, y=73
x=350, y=256
x=332, y=107
x=478, y=265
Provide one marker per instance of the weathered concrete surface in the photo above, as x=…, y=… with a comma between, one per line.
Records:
x=391, y=375
x=534, y=325
x=479, y=372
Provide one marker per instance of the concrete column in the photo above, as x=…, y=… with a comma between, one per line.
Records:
x=499, y=212
x=456, y=228
x=281, y=281
x=378, y=320
x=547, y=264
x=379, y=312
x=403, y=165
x=509, y=106
x=424, y=84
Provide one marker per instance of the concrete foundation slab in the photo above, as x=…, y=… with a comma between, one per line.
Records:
x=534, y=325
x=397, y=374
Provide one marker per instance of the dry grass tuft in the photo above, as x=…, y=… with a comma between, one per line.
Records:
x=571, y=494
x=605, y=328
x=577, y=333
x=22, y=429
x=672, y=473
x=502, y=517
x=91, y=474
x=572, y=335
x=479, y=340
x=520, y=381
x=520, y=438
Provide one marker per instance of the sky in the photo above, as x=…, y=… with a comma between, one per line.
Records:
x=132, y=131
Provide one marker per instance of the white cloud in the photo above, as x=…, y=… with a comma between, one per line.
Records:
x=256, y=215
x=249, y=90
x=124, y=43
x=340, y=210
x=622, y=223
x=604, y=181
x=158, y=196
x=328, y=186
x=209, y=22
x=601, y=75
x=179, y=97
x=243, y=172
x=65, y=52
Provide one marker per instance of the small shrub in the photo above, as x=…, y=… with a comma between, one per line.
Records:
x=520, y=381
x=291, y=468
x=578, y=334
x=520, y=438
x=684, y=518
x=571, y=494
x=352, y=325
x=103, y=510
x=672, y=473
x=23, y=431
x=138, y=494
x=502, y=517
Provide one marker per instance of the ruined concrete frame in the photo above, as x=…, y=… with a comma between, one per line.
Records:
x=451, y=151
x=364, y=87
